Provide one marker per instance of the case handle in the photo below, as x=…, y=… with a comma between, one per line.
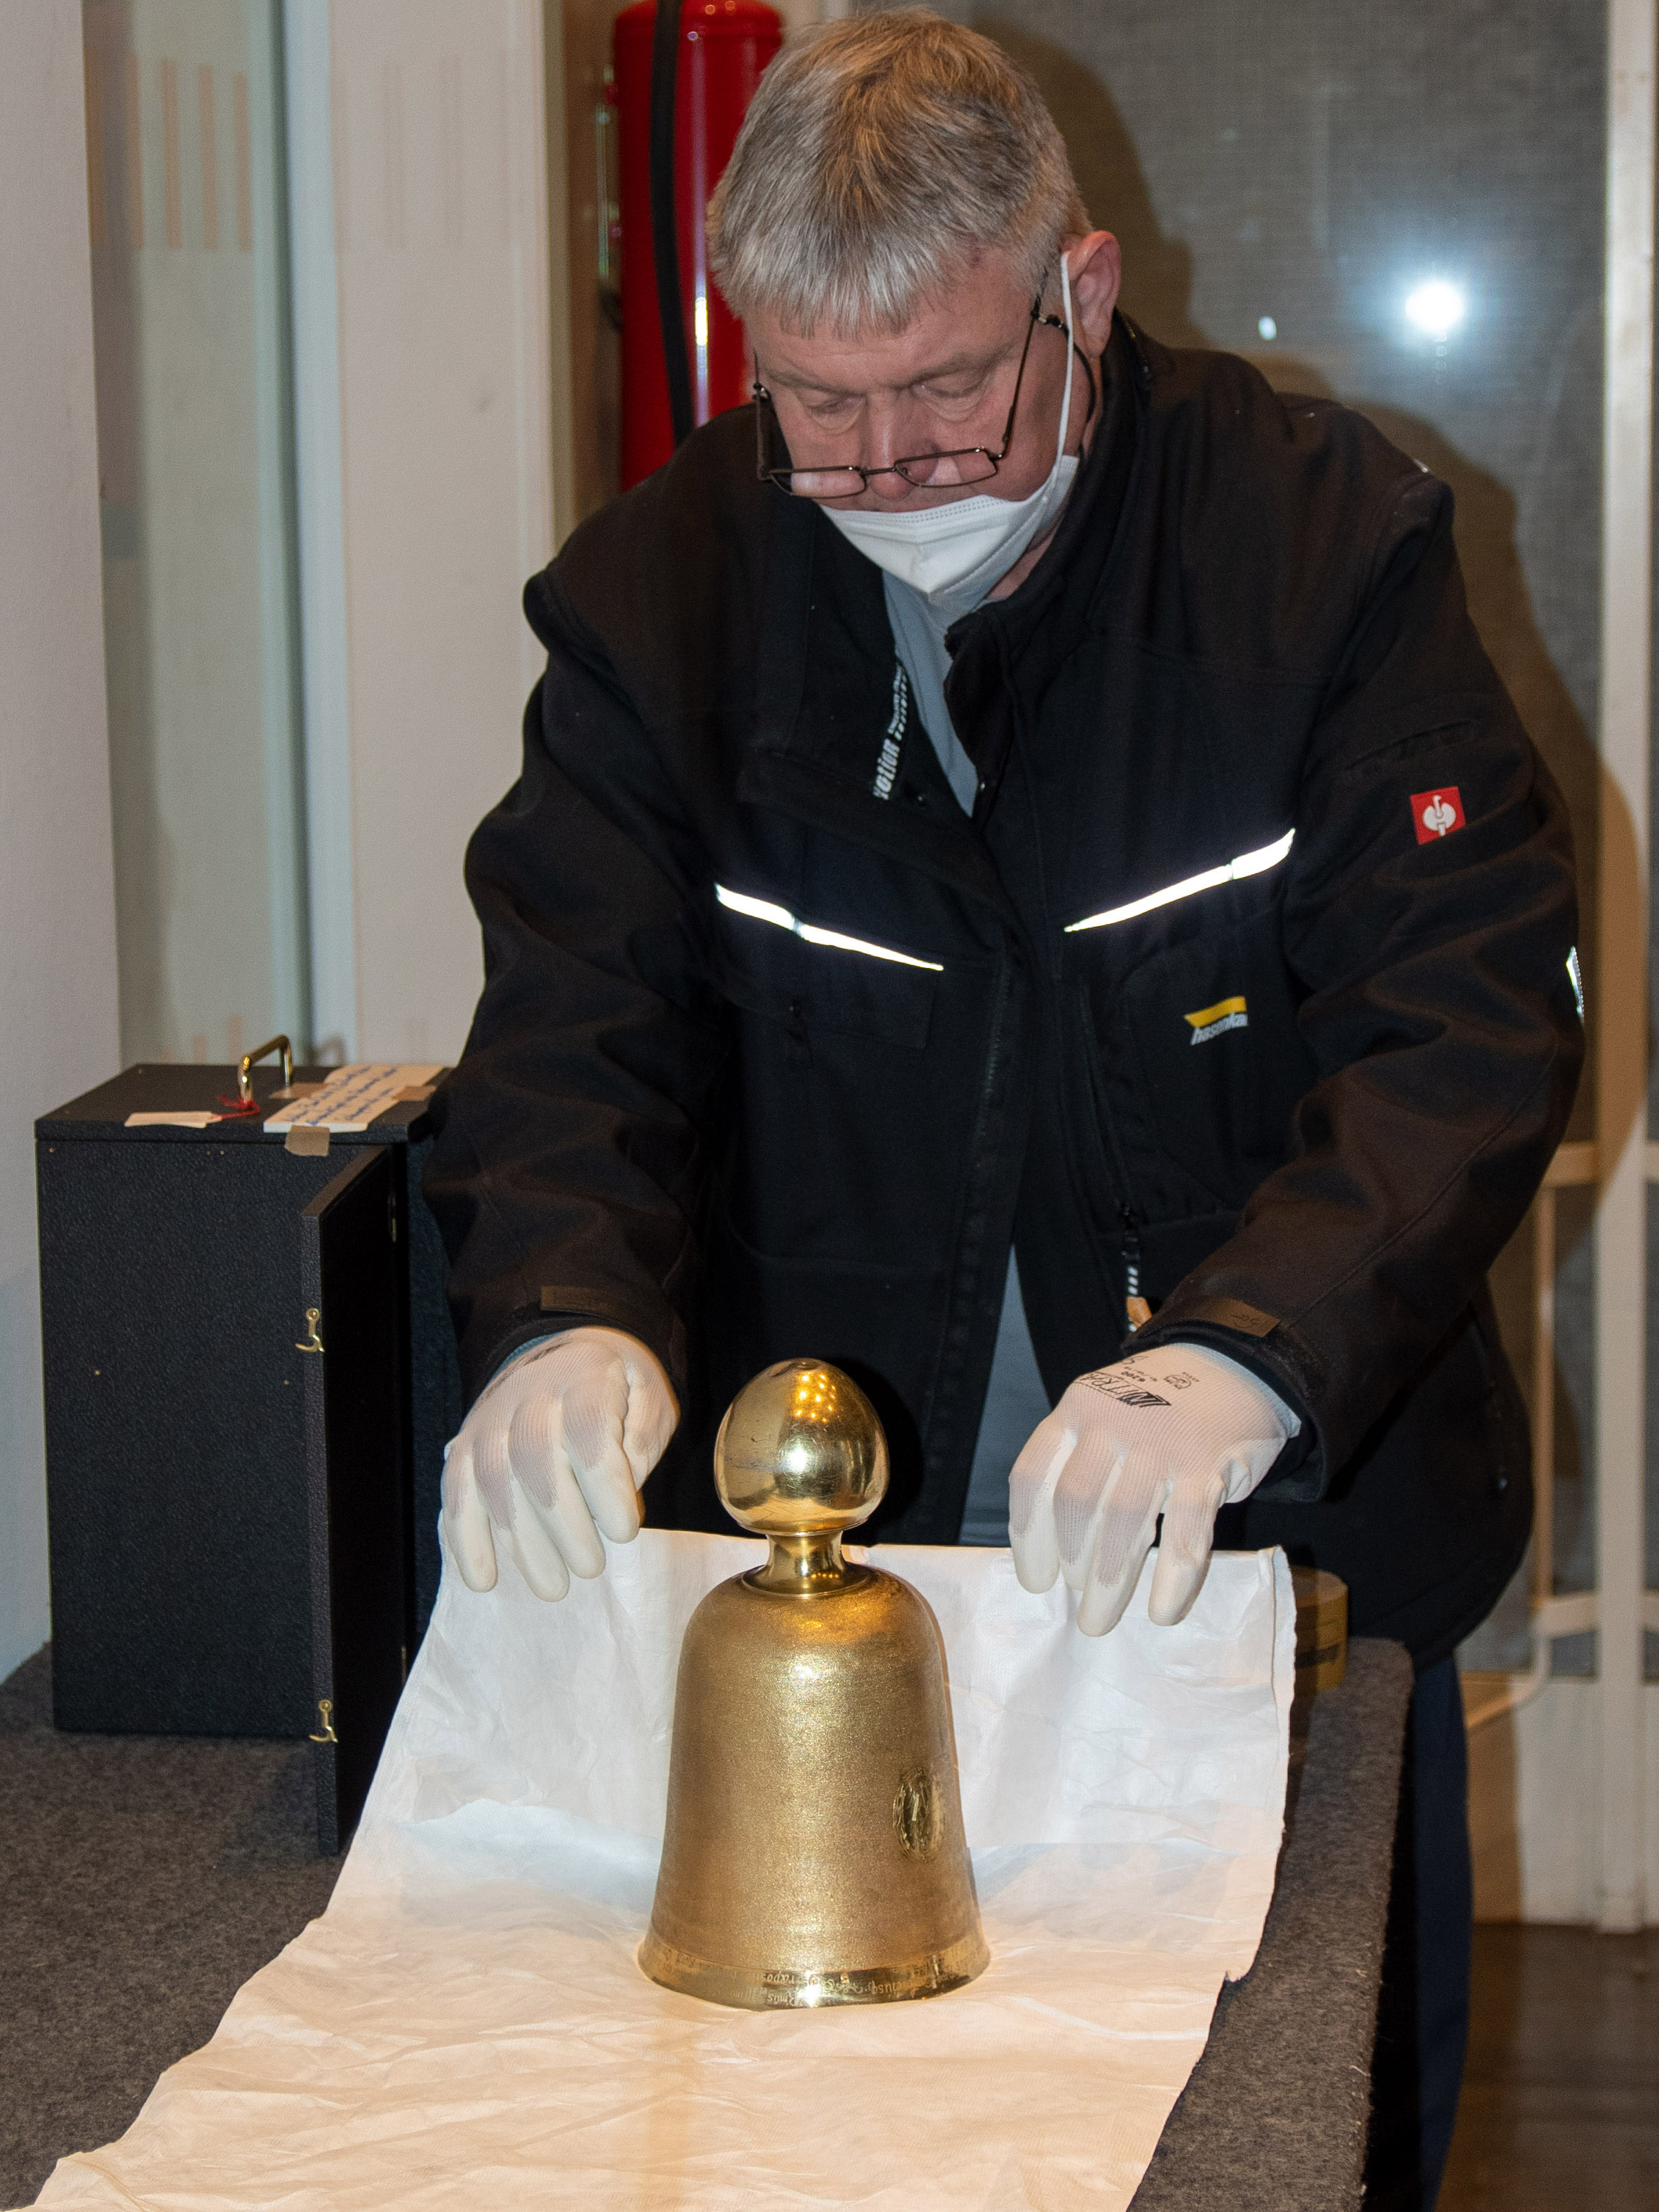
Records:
x=243, y=1083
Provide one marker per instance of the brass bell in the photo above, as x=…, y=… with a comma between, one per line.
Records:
x=814, y=1852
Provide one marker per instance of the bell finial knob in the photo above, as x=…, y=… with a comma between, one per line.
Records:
x=800, y=1456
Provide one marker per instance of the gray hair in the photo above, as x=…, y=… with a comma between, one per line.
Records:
x=877, y=154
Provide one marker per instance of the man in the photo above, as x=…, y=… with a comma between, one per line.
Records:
x=1023, y=884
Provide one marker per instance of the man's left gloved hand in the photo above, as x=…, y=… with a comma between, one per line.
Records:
x=1178, y=1431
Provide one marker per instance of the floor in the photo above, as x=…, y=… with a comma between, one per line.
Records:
x=147, y=1878
x=1560, y=2106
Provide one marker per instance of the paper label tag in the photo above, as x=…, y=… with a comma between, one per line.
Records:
x=354, y=1097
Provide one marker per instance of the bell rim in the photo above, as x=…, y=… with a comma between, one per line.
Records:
x=932, y=1974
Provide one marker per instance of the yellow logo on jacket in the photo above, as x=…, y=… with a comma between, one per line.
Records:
x=1211, y=1021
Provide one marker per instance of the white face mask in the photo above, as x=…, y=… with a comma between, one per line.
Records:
x=954, y=555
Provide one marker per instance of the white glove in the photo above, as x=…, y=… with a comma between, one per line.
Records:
x=552, y=1456
x=1176, y=1430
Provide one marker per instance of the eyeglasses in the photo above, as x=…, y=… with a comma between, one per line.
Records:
x=969, y=463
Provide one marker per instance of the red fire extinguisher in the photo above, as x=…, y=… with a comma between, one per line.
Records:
x=723, y=46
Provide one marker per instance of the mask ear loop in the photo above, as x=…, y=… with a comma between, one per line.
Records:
x=1066, y=319
x=1088, y=366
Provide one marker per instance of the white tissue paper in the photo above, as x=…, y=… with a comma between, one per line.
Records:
x=466, y=2025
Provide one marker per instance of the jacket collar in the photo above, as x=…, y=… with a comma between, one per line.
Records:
x=825, y=666
x=1071, y=569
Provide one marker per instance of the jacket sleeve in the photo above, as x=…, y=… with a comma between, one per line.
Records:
x=572, y=1143
x=1439, y=1010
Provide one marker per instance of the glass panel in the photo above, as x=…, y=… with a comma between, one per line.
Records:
x=184, y=111
x=1650, y=1638
x=1401, y=206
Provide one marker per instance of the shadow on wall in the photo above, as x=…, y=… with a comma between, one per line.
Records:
x=1157, y=270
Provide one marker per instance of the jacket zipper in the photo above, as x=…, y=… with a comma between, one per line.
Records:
x=1136, y=1311
x=985, y=1158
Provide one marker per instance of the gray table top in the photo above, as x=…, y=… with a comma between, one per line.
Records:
x=1273, y=2118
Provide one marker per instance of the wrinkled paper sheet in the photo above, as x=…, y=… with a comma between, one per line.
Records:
x=466, y=2025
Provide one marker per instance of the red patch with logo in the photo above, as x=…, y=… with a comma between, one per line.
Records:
x=1436, y=813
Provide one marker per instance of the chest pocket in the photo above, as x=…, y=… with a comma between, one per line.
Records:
x=766, y=969
x=1213, y=1025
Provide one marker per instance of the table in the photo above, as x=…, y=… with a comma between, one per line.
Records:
x=1274, y=2115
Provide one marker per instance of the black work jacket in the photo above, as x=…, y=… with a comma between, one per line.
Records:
x=778, y=1052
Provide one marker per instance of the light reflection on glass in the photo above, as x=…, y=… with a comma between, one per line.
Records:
x=1436, y=309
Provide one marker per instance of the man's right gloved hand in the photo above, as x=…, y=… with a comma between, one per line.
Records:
x=552, y=1457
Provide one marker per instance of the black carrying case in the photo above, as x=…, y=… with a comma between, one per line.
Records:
x=242, y=1500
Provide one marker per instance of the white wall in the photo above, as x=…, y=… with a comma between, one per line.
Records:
x=57, y=986
x=441, y=372
x=1534, y=1800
